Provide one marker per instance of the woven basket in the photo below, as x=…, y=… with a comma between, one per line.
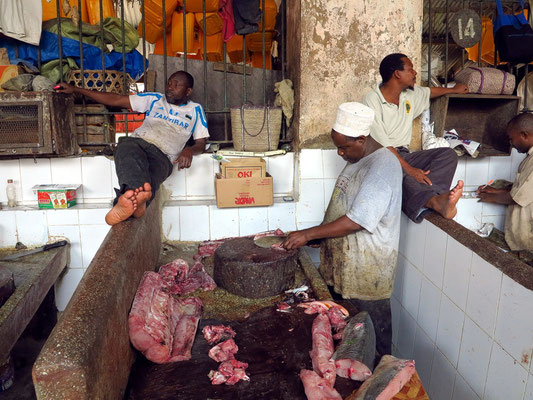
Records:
x=94, y=80
x=255, y=128
x=486, y=80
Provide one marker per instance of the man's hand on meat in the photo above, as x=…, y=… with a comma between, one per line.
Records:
x=296, y=239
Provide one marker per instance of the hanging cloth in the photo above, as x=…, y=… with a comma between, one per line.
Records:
x=21, y=20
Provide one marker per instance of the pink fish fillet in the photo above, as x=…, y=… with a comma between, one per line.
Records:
x=317, y=388
x=323, y=349
x=388, y=379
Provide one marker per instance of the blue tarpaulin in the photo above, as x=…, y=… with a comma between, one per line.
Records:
x=92, y=58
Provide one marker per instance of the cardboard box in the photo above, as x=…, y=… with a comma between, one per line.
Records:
x=248, y=167
x=244, y=192
x=56, y=196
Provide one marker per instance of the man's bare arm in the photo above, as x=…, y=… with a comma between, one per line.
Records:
x=417, y=173
x=184, y=160
x=105, y=98
x=441, y=91
x=340, y=227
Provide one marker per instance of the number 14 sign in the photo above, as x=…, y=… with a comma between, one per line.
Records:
x=465, y=27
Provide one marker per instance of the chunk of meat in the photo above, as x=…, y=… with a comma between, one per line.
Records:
x=337, y=320
x=160, y=326
x=181, y=280
x=388, y=379
x=322, y=349
x=317, y=388
x=217, y=333
x=224, y=351
x=229, y=372
x=277, y=232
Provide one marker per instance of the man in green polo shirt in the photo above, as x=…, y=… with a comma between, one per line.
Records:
x=427, y=174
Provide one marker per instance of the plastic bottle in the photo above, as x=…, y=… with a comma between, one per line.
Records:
x=11, y=191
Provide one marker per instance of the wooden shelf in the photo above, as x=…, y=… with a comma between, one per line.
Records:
x=478, y=117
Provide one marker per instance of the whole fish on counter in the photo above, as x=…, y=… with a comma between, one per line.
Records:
x=388, y=379
x=354, y=356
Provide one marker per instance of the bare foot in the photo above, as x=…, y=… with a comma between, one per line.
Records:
x=142, y=194
x=125, y=207
x=446, y=204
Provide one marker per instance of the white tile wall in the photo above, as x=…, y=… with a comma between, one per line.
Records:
x=282, y=216
x=435, y=254
x=8, y=229
x=460, y=171
x=171, y=222
x=200, y=180
x=223, y=222
x=482, y=344
x=33, y=172
x=499, y=168
x=311, y=164
x=477, y=171
x=474, y=356
x=423, y=355
x=175, y=183
x=96, y=177
x=253, y=220
x=91, y=238
x=450, y=330
x=194, y=223
x=462, y=391
x=333, y=164
x=414, y=237
x=281, y=168
x=31, y=227
x=406, y=334
x=72, y=233
x=442, y=378
x=10, y=169
x=483, y=293
x=514, y=327
x=457, y=272
x=506, y=379
x=68, y=216
x=411, y=289
x=311, y=204
x=66, y=170
x=428, y=311
x=66, y=285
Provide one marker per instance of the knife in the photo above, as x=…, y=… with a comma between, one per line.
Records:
x=33, y=251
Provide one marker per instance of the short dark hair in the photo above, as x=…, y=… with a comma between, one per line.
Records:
x=392, y=62
x=185, y=75
x=522, y=122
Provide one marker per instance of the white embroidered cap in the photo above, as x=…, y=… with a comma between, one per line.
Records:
x=354, y=119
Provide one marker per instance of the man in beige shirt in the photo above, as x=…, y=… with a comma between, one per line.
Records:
x=427, y=174
x=519, y=197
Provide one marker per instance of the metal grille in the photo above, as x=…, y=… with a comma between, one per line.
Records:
x=20, y=124
x=217, y=113
x=436, y=37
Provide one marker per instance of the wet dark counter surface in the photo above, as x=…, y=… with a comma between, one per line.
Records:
x=276, y=346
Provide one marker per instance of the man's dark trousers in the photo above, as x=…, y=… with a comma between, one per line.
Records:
x=137, y=162
x=441, y=163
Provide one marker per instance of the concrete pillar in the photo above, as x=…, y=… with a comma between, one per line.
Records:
x=335, y=56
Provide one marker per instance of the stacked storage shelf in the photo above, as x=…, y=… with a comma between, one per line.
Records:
x=478, y=117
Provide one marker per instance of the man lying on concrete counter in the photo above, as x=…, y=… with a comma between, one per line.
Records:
x=518, y=197
x=144, y=159
x=427, y=174
x=361, y=227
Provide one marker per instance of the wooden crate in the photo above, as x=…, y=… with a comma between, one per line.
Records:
x=100, y=128
x=478, y=117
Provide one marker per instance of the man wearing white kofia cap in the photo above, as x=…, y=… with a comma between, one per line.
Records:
x=361, y=227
